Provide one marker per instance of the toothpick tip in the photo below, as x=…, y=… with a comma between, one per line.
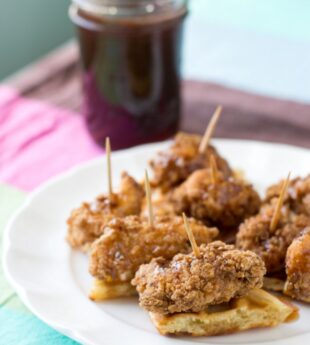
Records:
x=214, y=171
x=210, y=129
x=191, y=237
x=148, y=198
x=277, y=212
x=109, y=169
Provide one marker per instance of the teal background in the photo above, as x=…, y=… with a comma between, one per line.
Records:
x=31, y=28
x=288, y=19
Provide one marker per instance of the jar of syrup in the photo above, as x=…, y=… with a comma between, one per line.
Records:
x=130, y=54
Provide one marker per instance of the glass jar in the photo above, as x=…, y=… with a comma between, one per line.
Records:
x=130, y=53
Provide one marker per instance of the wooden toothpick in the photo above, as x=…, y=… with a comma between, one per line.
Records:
x=108, y=154
x=210, y=129
x=214, y=172
x=277, y=211
x=149, y=199
x=191, y=236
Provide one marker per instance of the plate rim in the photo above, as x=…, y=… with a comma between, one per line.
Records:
x=21, y=292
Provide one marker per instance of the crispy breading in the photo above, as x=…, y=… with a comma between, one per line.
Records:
x=224, y=204
x=85, y=225
x=191, y=284
x=87, y=222
x=298, y=267
x=255, y=234
x=129, y=242
x=173, y=166
x=297, y=196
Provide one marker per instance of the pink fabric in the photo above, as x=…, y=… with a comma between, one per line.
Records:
x=38, y=141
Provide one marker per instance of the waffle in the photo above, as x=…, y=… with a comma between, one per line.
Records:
x=101, y=290
x=257, y=309
x=273, y=284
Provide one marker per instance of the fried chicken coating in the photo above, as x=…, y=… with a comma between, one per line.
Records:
x=191, y=284
x=130, y=242
x=86, y=223
x=173, y=166
x=298, y=267
x=297, y=196
x=255, y=234
x=224, y=204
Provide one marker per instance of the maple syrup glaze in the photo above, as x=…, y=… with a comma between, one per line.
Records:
x=131, y=74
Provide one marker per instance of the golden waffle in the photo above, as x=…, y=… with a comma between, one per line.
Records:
x=101, y=290
x=257, y=309
x=273, y=284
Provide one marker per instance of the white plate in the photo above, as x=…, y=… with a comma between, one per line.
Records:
x=52, y=280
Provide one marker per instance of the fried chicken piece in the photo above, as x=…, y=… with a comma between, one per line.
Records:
x=297, y=196
x=86, y=223
x=173, y=166
x=298, y=267
x=191, y=284
x=130, y=242
x=255, y=234
x=224, y=204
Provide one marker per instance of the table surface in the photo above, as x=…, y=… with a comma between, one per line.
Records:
x=55, y=80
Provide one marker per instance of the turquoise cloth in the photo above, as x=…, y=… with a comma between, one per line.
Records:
x=18, y=326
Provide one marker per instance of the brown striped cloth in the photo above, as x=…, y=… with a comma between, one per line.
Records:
x=55, y=79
